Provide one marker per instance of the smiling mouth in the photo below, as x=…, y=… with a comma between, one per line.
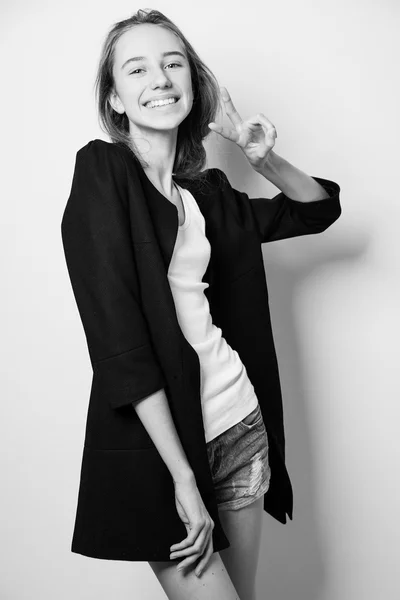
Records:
x=162, y=105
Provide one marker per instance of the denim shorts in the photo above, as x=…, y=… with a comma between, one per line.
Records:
x=239, y=462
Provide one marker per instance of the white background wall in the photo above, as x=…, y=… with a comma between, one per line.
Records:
x=326, y=74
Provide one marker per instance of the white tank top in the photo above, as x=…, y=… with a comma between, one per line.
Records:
x=227, y=394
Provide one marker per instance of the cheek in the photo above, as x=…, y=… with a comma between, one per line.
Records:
x=134, y=102
x=131, y=92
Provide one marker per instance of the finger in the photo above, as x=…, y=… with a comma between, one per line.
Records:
x=207, y=555
x=196, y=548
x=230, y=108
x=260, y=119
x=267, y=125
x=190, y=560
x=251, y=125
x=190, y=539
x=226, y=132
x=270, y=135
x=184, y=543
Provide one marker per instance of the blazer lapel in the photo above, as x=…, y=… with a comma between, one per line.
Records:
x=164, y=219
x=154, y=226
x=154, y=223
x=164, y=216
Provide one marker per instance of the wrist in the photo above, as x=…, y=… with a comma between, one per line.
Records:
x=186, y=476
x=271, y=164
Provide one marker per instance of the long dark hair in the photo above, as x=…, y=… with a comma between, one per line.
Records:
x=190, y=156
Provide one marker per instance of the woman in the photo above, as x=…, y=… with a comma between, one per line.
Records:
x=171, y=290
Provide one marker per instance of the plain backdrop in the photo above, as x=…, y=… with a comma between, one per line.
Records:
x=326, y=74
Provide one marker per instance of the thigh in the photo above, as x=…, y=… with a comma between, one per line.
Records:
x=213, y=584
x=243, y=528
x=239, y=463
x=241, y=475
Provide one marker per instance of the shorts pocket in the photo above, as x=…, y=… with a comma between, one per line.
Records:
x=252, y=420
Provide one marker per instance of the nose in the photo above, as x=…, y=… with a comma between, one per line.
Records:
x=160, y=79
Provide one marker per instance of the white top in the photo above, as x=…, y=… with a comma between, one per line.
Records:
x=227, y=394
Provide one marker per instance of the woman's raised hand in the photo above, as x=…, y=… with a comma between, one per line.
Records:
x=199, y=525
x=255, y=136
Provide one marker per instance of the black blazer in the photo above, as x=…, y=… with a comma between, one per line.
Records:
x=118, y=234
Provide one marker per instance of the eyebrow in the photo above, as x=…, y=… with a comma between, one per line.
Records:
x=144, y=58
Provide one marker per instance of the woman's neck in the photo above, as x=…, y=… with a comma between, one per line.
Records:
x=158, y=148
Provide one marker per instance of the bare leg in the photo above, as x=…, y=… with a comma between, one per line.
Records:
x=213, y=584
x=243, y=528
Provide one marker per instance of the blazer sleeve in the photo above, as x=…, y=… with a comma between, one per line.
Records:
x=98, y=249
x=281, y=217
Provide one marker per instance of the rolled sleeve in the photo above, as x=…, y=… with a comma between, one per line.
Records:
x=281, y=217
x=129, y=376
x=98, y=249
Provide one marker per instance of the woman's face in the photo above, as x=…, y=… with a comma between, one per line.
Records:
x=151, y=76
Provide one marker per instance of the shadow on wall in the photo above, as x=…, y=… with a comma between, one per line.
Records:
x=295, y=560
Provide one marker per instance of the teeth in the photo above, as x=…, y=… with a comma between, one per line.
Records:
x=160, y=103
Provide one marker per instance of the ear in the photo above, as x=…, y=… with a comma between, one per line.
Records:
x=116, y=103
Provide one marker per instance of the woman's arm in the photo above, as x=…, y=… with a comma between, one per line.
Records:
x=293, y=182
x=155, y=414
x=282, y=217
x=305, y=205
x=101, y=265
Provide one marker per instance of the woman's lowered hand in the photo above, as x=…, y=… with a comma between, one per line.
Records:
x=199, y=525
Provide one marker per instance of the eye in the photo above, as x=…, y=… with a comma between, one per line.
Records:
x=136, y=70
